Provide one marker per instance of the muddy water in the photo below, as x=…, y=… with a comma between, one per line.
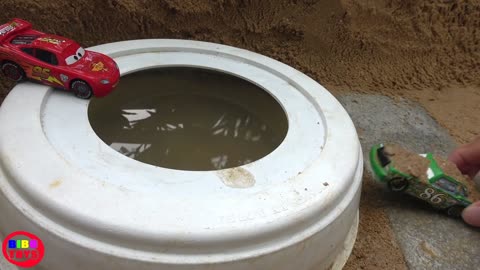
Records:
x=189, y=119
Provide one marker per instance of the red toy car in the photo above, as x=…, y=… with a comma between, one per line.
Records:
x=55, y=61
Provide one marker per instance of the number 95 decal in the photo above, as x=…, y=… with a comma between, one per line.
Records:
x=429, y=194
x=43, y=73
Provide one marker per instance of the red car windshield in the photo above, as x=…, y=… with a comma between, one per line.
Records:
x=73, y=53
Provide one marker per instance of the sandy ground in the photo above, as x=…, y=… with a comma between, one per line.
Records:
x=426, y=51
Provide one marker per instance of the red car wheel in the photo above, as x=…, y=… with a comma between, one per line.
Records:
x=13, y=71
x=82, y=89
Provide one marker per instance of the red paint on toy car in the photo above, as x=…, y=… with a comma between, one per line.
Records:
x=54, y=60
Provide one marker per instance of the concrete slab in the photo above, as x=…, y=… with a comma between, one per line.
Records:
x=429, y=239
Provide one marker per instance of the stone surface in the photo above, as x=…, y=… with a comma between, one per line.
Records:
x=428, y=239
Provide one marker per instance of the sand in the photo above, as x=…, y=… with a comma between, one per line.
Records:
x=407, y=161
x=376, y=246
x=426, y=51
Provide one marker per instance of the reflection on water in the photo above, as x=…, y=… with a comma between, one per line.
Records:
x=189, y=119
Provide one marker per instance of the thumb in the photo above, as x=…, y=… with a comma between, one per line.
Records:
x=471, y=214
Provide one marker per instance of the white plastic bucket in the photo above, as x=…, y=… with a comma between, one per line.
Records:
x=97, y=209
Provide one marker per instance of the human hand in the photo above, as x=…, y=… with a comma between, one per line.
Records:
x=467, y=159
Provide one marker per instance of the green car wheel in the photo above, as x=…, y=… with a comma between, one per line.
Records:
x=455, y=211
x=398, y=184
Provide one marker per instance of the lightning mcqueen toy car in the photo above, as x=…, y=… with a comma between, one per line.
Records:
x=55, y=61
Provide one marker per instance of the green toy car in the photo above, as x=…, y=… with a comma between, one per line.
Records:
x=434, y=186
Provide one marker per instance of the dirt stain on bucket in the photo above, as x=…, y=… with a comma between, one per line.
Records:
x=190, y=119
x=56, y=183
x=237, y=178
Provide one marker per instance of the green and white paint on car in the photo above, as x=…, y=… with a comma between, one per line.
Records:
x=439, y=189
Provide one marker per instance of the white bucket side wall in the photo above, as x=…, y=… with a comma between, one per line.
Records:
x=305, y=255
